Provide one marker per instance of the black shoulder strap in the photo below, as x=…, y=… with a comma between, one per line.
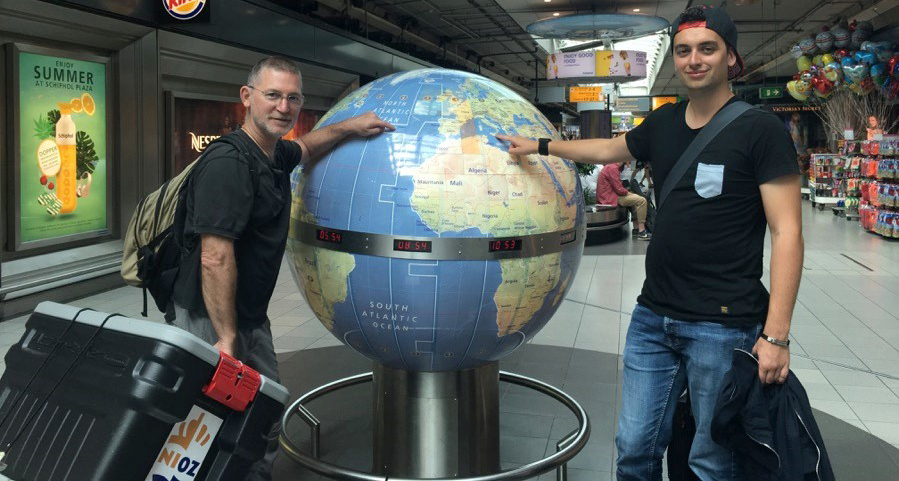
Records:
x=234, y=139
x=711, y=130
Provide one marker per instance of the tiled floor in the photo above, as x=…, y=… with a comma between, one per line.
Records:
x=845, y=327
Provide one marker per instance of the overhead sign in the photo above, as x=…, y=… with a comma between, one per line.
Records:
x=660, y=101
x=585, y=94
x=633, y=104
x=571, y=64
x=771, y=92
x=183, y=9
x=629, y=64
x=604, y=65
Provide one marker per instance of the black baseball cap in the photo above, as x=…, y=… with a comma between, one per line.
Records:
x=718, y=21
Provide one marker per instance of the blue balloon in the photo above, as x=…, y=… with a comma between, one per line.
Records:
x=865, y=57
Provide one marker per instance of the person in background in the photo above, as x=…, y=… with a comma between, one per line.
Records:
x=610, y=191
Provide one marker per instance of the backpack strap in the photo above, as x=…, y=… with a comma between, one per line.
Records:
x=721, y=119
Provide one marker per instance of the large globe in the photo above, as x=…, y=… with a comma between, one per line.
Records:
x=441, y=175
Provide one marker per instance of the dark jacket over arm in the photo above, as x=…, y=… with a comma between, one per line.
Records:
x=770, y=426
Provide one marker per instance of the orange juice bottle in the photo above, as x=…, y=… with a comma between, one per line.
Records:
x=65, y=179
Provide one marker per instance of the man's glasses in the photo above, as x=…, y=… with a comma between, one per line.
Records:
x=275, y=97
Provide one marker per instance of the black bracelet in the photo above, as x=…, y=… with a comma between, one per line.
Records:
x=543, y=146
x=775, y=341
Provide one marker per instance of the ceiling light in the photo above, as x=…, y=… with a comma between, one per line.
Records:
x=555, y=14
x=636, y=9
x=547, y=1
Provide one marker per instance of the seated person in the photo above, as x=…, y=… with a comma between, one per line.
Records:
x=610, y=191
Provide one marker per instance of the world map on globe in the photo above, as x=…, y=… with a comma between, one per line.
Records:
x=441, y=174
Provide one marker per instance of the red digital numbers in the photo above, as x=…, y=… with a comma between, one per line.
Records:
x=504, y=245
x=411, y=246
x=329, y=236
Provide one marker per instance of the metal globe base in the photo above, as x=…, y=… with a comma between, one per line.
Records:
x=436, y=425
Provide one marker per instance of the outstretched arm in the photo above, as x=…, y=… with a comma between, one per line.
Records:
x=317, y=142
x=589, y=151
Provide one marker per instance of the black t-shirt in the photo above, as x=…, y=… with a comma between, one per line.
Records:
x=705, y=258
x=223, y=200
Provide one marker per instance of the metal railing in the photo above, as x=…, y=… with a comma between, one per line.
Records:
x=566, y=448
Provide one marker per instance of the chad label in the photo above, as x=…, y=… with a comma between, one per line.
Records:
x=186, y=447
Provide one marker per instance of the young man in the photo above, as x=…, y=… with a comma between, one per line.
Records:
x=236, y=227
x=610, y=191
x=703, y=296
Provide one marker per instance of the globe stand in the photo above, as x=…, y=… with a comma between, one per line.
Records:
x=435, y=391
x=436, y=424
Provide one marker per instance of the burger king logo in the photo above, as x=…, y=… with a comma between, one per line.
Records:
x=184, y=9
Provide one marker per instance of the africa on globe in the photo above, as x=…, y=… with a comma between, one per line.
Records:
x=431, y=248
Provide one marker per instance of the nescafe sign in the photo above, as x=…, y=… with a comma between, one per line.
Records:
x=184, y=9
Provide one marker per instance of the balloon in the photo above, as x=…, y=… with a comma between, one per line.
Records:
x=808, y=46
x=803, y=63
x=840, y=37
x=883, y=50
x=834, y=72
x=857, y=37
x=816, y=60
x=839, y=54
x=827, y=58
x=824, y=41
x=878, y=73
x=797, y=90
x=867, y=46
x=855, y=73
x=866, y=58
x=864, y=25
x=893, y=65
x=805, y=76
x=795, y=51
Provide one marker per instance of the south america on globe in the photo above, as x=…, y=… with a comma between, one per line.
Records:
x=441, y=177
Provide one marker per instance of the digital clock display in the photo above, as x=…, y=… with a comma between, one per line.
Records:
x=568, y=237
x=504, y=245
x=331, y=236
x=411, y=245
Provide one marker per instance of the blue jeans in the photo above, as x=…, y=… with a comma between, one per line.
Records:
x=662, y=356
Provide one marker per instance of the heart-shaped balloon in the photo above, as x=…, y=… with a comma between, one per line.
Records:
x=796, y=91
x=840, y=37
x=803, y=63
x=867, y=58
x=816, y=60
x=827, y=58
x=824, y=41
x=855, y=73
x=795, y=51
x=840, y=53
x=834, y=72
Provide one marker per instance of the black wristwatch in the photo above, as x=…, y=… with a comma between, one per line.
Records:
x=543, y=146
x=775, y=341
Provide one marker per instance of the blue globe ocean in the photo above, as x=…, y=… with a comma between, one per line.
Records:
x=441, y=174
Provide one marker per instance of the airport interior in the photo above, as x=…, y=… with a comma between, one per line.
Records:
x=449, y=304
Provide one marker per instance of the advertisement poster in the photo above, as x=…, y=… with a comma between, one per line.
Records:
x=62, y=148
x=198, y=119
x=571, y=65
x=621, y=63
